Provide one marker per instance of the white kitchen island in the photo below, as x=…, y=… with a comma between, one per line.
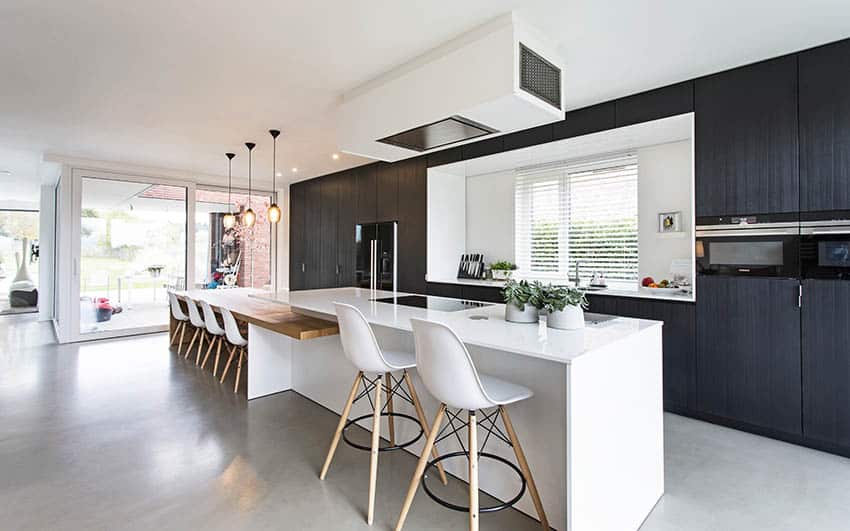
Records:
x=593, y=432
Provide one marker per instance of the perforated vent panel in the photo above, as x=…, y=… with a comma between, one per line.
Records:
x=539, y=77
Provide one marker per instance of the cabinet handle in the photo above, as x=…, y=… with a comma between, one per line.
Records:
x=337, y=269
x=800, y=297
x=302, y=267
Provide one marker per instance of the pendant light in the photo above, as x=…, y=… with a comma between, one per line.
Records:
x=274, y=210
x=229, y=220
x=249, y=217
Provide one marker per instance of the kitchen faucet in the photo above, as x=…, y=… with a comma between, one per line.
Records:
x=577, y=279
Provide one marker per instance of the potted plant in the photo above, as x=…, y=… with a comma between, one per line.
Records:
x=564, y=306
x=502, y=270
x=520, y=301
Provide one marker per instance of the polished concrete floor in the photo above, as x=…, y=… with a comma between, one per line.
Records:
x=122, y=434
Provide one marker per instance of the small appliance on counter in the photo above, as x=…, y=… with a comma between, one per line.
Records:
x=471, y=266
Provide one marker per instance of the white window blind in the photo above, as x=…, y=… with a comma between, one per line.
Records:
x=578, y=211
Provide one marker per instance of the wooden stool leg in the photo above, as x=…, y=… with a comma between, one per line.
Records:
x=174, y=333
x=390, y=420
x=227, y=365
x=420, y=466
x=209, y=350
x=182, y=333
x=420, y=413
x=473, y=472
x=343, y=418
x=200, y=347
x=523, y=465
x=239, y=370
x=376, y=441
x=192, y=342
x=217, y=356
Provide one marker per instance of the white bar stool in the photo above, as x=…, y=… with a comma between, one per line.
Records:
x=450, y=376
x=200, y=328
x=234, y=337
x=180, y=317
x=361, y=348
x=217, y=333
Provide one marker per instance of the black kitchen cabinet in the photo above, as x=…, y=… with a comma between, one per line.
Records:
x=825, y=128
x=312, y=233
x=483, y=148
x=826, y=361
x=655, y=104
x=482, y=293
x=446, y=156
x=677, y=337
x=346, y=229
x=297, y=240
x=440, y=289
x=748, y=352
x=387, y=191
x=412, y=178
x=367, y=193
x=528, y=137
x=585, y=121
x=328, y=230
x=746, y=140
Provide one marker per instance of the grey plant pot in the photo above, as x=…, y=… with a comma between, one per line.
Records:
x=528, y=314
x=570, y=318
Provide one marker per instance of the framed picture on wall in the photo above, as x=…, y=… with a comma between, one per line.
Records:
x=670, y=222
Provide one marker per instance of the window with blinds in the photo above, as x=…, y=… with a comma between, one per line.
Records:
x=578, y=212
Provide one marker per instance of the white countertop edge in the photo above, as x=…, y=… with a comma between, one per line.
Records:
x=609, y=292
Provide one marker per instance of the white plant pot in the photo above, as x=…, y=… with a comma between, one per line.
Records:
x=528, y=313
x=570, y=318
x=501, y=274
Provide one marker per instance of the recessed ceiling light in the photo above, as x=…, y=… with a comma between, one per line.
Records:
x=294, y=170
x=335, y=156
x=278, y=174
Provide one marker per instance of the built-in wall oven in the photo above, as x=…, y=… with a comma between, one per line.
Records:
x=825, y=249
x=747, y=247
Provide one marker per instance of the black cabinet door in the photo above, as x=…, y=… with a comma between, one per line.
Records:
x=439, y=289
x=482, y=293
x=654, y=104
x=328, y=226
x=412, y=177
x=748, y=351
x=367, y=194
x=346, y=248
x=746, y=140
x=312, y=233
x=585, y=121
x=387, y=191
x=297, y=223
x=825, y=128
x=826, y=361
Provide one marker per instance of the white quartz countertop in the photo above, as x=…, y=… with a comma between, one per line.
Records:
x=494, y=332
x=613, y=291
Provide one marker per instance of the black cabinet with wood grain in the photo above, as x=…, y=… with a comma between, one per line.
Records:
x=655, y=104
x=826, y=361
x=312, y=233
x=441, y=289
x=412, y=179
x=346, y=228
x=297, y=236
x=386, y=190
x=367, y=193
x=825, y=128
x=748, y=352
x=328, y=265
x=746, y=140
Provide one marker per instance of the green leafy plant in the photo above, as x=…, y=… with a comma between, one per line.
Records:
x=556, y=298
x=520, y=292
x=503, y=265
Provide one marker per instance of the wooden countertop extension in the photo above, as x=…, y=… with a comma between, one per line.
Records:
x=271, y=316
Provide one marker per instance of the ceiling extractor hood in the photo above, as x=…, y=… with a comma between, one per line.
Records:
x=500, y=77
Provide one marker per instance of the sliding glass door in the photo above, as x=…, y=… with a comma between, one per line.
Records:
x=18, y=261
x=132, y=249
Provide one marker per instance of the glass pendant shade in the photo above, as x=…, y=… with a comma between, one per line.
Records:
x=274, y=213
x=229, y=220
x=248, y=218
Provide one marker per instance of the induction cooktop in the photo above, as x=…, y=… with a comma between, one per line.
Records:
x=433, y=303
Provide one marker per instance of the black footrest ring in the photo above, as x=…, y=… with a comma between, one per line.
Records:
x=397, y=446
x=465, y=509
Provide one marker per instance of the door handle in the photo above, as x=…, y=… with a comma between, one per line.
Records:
x=302, y=267
x=337, y=269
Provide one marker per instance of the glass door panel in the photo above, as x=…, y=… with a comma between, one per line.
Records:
x=18, y=261
x=132, y=249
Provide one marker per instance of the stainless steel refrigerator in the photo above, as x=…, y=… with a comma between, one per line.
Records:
x=376, y=255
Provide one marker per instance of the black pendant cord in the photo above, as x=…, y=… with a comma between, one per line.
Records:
x=229, y=181
x=250, y=146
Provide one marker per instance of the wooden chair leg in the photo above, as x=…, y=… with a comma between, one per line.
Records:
x=239, y=370
x=174, y=333
x=192, y=342
x=473, y=472
x=182, y=333
x=343, y=418
x=420, y=466
x=217, y=356
x=227, y=365
x=523, y=465
x=376, y=441
x=209, y=350
x=200, y=347
x=390, y=419
x=420, y=413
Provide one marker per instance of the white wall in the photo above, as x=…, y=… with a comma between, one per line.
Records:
x=446, y=222
x=665, y=180
x=46, y=229
x=490, y=216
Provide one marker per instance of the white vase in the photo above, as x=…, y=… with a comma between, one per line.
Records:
x=501, y=274
x=570, y=318
x=527, y=314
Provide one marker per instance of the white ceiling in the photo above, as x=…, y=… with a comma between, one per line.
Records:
x=176, y=84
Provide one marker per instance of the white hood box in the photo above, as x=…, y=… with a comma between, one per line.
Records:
x=498, y=78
